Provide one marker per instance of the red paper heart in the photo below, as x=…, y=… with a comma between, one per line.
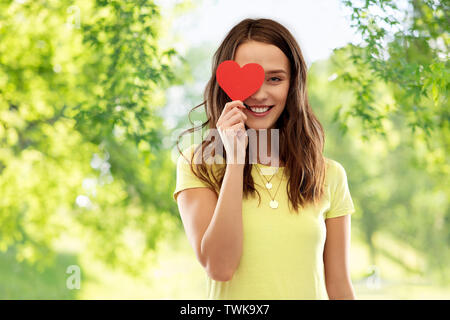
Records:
x=239, y=83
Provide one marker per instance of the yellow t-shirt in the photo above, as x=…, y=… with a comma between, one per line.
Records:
x=282, y=254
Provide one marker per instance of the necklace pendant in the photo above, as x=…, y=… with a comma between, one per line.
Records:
x=268, y=185
x=273, y=204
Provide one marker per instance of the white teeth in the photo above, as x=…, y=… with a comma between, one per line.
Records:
x=259, y=110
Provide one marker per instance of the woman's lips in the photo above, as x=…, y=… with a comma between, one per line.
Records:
x=258, y=114
x=257, y=105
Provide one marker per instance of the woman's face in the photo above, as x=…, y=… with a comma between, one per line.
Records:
x=274, y=90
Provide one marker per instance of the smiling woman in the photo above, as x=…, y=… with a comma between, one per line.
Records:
x=293, y=243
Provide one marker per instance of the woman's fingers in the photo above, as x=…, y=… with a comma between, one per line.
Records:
x=233, y=112
x=238, y=127
x=230, y=109
x=235, y=118
x=231, y=125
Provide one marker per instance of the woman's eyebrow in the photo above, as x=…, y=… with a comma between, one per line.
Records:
x=276, y=71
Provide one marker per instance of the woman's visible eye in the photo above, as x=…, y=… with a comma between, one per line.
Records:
x=275, y=78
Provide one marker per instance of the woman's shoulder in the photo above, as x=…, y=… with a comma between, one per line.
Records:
x=333, y=163
x=335, y=170
x=215, y=162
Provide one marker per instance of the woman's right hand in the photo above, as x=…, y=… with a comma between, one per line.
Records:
x=231, y=127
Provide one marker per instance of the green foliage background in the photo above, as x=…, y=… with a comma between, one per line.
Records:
x=81, y=85
x=86, y=161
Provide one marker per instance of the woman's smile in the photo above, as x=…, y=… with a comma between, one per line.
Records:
x=259, y=111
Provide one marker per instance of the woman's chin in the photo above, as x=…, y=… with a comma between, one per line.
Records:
x=257, y=126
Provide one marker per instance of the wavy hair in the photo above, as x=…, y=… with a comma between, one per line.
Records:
x=300, y=132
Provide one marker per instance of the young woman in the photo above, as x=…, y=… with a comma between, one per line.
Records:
x=293, y=241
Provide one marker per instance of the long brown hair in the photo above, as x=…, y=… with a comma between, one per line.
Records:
x=301, y=134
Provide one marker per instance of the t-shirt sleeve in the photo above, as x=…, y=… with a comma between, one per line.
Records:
x=341, y=202
x=185, y=178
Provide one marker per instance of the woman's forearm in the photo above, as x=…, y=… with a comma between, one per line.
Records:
x=222, y=242
x=341, y=291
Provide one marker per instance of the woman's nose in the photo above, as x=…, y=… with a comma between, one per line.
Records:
x=259, y=95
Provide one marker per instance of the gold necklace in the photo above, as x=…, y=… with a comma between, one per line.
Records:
x=273, y=203
x=268, y=184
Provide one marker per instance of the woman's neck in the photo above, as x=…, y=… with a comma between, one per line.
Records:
x=266, y=140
